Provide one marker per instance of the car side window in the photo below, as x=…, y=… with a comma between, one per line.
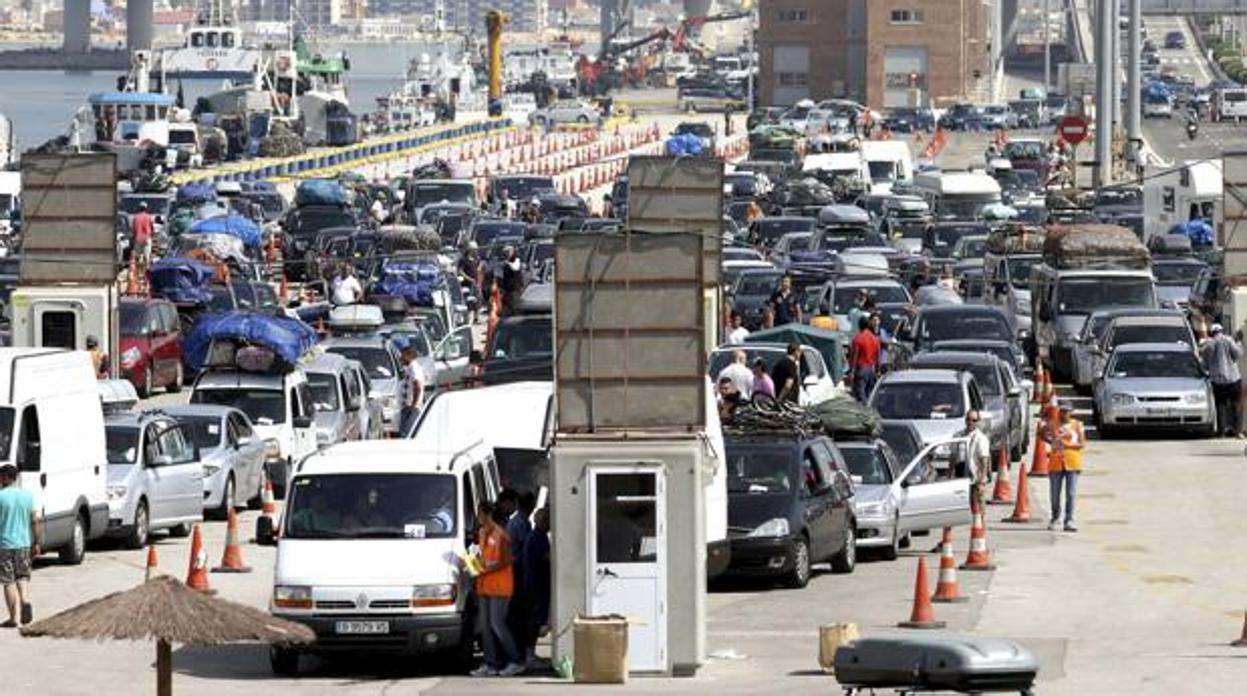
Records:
x=469, y=506
x=170, y=317
x=151, y=444
x=976, y=400
x=241, y=426
x=231, y=431
x=174, y=444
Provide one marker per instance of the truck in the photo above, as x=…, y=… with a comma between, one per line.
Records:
x=63, y=316
x=1174, y=195
x=1084, y=268
x=1011, y=253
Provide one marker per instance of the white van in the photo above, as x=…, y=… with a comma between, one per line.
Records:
x=63, y=316
x=957, y=195
x=828, y=165
x=367, y=555
x=50, y=402
x=280, y=408
x=888, y=162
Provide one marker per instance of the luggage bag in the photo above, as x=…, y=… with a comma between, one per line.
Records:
x=928, y=661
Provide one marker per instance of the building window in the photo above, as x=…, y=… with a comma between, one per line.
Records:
x=793, y=79
x=907, y=16
x=792, y=15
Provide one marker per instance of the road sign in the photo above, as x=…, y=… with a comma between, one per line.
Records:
x=1073, y=129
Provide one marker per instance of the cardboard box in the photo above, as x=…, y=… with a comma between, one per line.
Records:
x=600, y=649
x=830, y=638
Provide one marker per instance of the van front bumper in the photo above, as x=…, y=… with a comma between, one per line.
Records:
x=409, y=635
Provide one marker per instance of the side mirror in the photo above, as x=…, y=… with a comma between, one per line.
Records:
x=354, y=403
x=1015, y=391
x=265, y=531
x=160, y=460
x=302, y=421
x=244, y=441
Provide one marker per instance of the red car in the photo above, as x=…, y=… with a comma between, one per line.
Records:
x=151, y=345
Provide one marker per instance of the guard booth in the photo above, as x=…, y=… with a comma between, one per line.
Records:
x=634, y=451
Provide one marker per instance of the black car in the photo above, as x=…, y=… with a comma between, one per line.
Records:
x=301, y=227
x=764, y=232
x=751, y=292
x=488, y=232
x=964, y=322
x=963, y=116
x=522, y=351
x=790, y=505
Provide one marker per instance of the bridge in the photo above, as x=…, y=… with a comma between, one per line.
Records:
x=77, y=25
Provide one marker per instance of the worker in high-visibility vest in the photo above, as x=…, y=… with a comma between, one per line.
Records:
x=1066, y=439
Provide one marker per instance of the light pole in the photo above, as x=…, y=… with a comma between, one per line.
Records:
x=1047, y=47
x=1134, y=84
x=1104, y=93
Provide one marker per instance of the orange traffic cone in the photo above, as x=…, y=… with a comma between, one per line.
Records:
x=151, y=570
x=231, y=560
x=197, y=575
x=1038, y=393
x=1002, y=494
x=1022, y=509
x=1039, y=460
x=268, y=501
x=979, y=558
x=1242, y=640
x=947, y=589
x=923, y=614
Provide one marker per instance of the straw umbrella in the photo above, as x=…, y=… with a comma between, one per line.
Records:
x=170, y=612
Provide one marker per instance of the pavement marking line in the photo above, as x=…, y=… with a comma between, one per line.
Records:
x=1167, y=580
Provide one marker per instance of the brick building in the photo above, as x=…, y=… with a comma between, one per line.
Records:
x=881, y=52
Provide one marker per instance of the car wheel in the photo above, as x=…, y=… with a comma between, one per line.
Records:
x=582, y=119
x=145, y=387
x=284, y=661
x=137, y=538
x=227, y=500
x=73, y=552
x=892, y=550
x=799, y=576
x=846, y=559
x=181, y=531
x=176, y=385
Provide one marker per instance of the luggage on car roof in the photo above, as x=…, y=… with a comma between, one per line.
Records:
x=846, y=417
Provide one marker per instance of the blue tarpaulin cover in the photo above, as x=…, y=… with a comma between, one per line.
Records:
x=1200, y=232
x=686, y=144
x=196, y=191
x=182, y=281
x=287, y=338
x=320, y=192
x=233, y=225
x=412, y=281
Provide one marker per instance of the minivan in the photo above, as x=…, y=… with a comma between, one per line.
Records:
x=368, y=549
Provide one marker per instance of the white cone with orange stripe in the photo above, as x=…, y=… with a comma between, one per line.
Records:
x=979, y=557
x=947, y=589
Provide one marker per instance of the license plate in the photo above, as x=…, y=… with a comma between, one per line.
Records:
x=362, y=627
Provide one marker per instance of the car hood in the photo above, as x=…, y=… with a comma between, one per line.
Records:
x=746, y=511
x=870, y=493
x=911, y=244
x=937, y=430
x=119, y=473
x=1150, y=385
x=367, y=562
x=1177, y=294
x=385, y=387
x=125, y=343
x=332, y=421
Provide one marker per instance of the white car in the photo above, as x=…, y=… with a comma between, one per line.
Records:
x=566, y=111
x=1160, y=108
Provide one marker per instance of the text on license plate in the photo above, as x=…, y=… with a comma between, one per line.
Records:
x=364, y=627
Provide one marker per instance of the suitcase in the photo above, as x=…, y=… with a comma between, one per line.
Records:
x=935, y=661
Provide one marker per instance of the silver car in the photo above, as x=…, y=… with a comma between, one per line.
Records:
x=231, y=454
x=1107, y=329
x=155, y=480
x=1004, y=401
x=1153, y=386
x=934, y=400
x=565, y=111
x=380, y=360
x=892, y=500
x=335, y=399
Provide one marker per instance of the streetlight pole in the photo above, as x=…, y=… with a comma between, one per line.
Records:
x=1047, y=46
x=1134, y=84
x=1104, y=93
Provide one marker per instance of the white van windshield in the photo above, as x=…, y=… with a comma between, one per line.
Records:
x=372, y=506
x=262, y=406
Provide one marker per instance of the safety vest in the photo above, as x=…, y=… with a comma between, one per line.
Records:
x=1068, y=459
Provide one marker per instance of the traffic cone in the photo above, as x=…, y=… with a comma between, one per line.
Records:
x=979, y=558
x=268, y=501
x=231, y=560
x=923, y=614
x=1242, y=640
x=1002, y=494
x=1038, y=394
x=947, y=589
x=152, y=568
x=197, y=575
x=1039, y=460
x=1021, y=509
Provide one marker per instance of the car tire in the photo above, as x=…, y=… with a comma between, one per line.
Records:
x=228, y=501
x=284, y=661
x=892, y=550
x=145, y=387
x=845, y=559
x=181, y=531
x=582, y=119
x=799, y=576
x=176, y=385
x=137, y=538
x=73, y=552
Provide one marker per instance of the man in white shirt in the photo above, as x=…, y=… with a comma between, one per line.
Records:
x=978, y=451
x=738, y=332
x=346, y=288
x=410, y=391
x=740, y=374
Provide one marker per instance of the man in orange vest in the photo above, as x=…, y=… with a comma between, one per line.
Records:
x=494, y=587
x=1066, y=439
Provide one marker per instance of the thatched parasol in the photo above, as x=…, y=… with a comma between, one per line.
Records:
x=170, y=612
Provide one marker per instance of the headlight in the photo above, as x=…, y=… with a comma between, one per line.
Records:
x=777, y=527
x=1122, y=399
x=433, y=595
x=876, y=509
x=130, y=357
x=292, y=596
x=116, y=492
x=272, y=449
x=1195, y=398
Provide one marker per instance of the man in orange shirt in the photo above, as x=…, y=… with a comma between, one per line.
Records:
x=494, y=587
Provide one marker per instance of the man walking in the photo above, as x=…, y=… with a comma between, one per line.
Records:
x=536, y=565
x=1067, y=440
x=978, y=456
x=494, y=586
x=786, y=376
x=785, y=309
x=1221, y=354
x=412, y=391
x=864, y=358
x=21, y=536
x=143, y=226
x=346, y=287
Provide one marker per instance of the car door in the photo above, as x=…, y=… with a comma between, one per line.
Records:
x=301, y=405
x=840, y=485
x=168, y=349
x=927, y=501
x=816, y=500
x=178, y=475
x=352, y=403
x=453, y=356
x=1014, y=402
x=249, y=461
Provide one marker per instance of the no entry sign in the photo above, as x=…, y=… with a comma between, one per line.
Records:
x=1073, y=129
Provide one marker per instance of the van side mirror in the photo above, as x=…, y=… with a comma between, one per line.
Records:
x=302, y=421
x=244, y=441
x=355, y=403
